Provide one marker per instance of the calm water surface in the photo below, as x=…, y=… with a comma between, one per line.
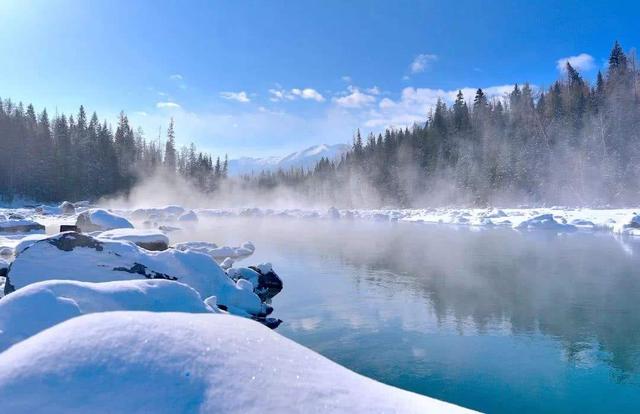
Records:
x=494, y=320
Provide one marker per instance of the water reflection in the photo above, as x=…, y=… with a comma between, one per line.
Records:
x=496, y=320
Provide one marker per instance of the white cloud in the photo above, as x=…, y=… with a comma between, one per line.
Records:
x=355, y=99
x=176, y=77
x=346, y=78
x=308, y=93
x=581, y=62
x=167, y=105
x=422, y=62
x=373, y=91
x=415, y=104
x=280, y=94
x=236, y=96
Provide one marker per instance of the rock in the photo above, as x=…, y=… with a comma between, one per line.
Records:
x=67, y=208
x=6, y=251
x=19, y=225
x=147, y=239
x=188, y=216
x=168, y=229
x=333, y=213
x=545, y=222
x=68, y=227
x=4, y=268
x=99, y=219
x=266, y=283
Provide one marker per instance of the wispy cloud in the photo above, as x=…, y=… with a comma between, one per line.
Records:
x=167, y=105
x=176, y=77
x=346, y=78
x=236, y=96
x=422, y=62
x=581, y=62
x=280, y=94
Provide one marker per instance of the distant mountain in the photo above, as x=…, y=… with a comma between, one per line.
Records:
x=306, y=158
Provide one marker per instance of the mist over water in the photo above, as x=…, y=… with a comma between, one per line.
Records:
x=493, y=319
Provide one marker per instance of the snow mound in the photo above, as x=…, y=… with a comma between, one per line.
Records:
x=545, y=222
x=218, y=253
x=147, y=239
x=144, y=362
x=39, y=306
x=99, y=219
x=20, y=225
x=81, y=257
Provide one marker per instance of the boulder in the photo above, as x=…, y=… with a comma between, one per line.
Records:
x=265, y=281
x=67, y=208
x=218, y=252
x=97, y=219
x=188, y=216
x=19, y=225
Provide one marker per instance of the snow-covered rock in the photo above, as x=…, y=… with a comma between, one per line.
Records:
x=146, y=362
x=545, y=222
x=76, y=256
x=147, y=239
x=20, y=225
x=67, y=208
x=217, y=252
x=28, y=241
x=6, y=251
x=100, y=219
x=39, y=306
x=333, y=213
x=188, y=216
x=264, y=280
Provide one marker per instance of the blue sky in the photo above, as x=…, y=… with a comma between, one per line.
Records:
x=268, y=77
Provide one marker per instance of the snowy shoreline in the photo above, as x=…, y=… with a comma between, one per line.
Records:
x=109, y=316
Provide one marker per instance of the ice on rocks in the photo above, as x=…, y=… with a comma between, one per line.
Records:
x=181, y=362
x=41, y=305
x=100, y=219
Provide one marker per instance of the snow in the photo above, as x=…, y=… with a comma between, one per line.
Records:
x=39, y=306
x=100, y=219
x=306, y=158
x=219, y=253
x=73, y=256
x=142, y=237
x=567, y=219
x=146, y=362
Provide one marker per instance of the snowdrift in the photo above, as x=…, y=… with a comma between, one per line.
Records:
x=143, y=362
x=39, y=306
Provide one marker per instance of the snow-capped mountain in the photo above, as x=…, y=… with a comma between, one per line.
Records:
x=306, y=158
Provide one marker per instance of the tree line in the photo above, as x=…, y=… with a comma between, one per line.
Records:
x=573, y=143
x=79, y=157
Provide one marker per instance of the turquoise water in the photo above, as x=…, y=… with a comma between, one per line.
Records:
x=495, y=320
